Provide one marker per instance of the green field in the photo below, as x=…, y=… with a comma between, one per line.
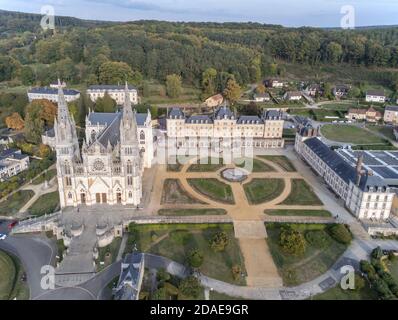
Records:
x=45, y=204
x=302, y=194
x=299, y=213
x=253, y=165
x=206, y=165
x=349, y=134
x=263, y=190
x=282, y=162
x=11, y=285
x=214, y=189
x=192, y=212
x=315, y=261
x=337, y=293
x=15, y=202
x=393, y=268
x=176, y=241
x=384, y=130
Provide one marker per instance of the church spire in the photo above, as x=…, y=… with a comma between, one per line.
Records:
x=63, y=111
x=128, y=123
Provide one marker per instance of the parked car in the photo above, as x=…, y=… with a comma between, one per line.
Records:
x=12, y=224
x=3, y=236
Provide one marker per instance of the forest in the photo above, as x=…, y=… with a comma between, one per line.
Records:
x=89, y=52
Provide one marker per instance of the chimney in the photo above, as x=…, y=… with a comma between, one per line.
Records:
x=359, y=169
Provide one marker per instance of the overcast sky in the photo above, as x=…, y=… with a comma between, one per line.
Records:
x=320, y=13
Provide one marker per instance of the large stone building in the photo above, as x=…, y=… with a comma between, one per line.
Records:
x=365, y=195
x=109, y=166
x=12, y=162
x=263, y=131
x=117, y=93
x=52, y=94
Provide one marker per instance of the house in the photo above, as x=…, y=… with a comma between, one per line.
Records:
x=341, y=90
x=274, y=83
x=55, y=85
x=262, y=97
x=313, y=90
x=391, y=114
x=12, y=162
x=214, y=101
x=292, y=96
x=377, y=96
x=370, y=115
x=116, y=92
x=51, y=94
x=131, y=275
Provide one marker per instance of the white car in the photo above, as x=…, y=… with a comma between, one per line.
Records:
x=3, y=236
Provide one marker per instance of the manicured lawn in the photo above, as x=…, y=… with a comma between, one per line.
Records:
x=304, y=213
x=15, y=202
x=174, y=193
x=206, y=165
x=263, y=190
x=315, y=261
x=393, y=268
x=337, y=293
x=349, y=134
x=214, y=189
x=253, y=165
x=11, y=285
x=191, y=212
x=302, y=194
x=384, y=130
x=112, y=249
x=176, y=241
x=282, y=162
x=45, y=204
x=45, y=176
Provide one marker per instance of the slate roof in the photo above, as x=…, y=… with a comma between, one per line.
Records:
x=102, y=118
x=176, y=113
x=250, y=120
x=272, y=115
x=342, y=168
x=378, y=93
x=110, y=87
x=128, y=285
x=392, y=108
x=224, y=113
x=112, y=133
x=141, y=118
x=199, y=119
x=50, y=133
x=45, y=90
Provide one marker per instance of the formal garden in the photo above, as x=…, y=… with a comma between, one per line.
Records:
x=303, y=252
x=282, y=162
x=174, y=193
x=263, y=190
x=192, y=212
x=214, y=189
x=253, y=165
x=302, y=194
x=206, y=165
x=13, y=279
x=298, y=213
x=210, y=248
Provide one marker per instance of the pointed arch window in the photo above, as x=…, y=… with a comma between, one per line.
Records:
x=67, y=168
x=93, y=135
x=142, y=135
x=129, y=167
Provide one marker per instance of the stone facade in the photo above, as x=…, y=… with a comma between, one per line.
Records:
x=117, y=93
x=108, y=168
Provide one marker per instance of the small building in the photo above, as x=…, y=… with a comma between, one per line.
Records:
x=341, y=90
x=214, y=101
x=51, y=94
x=130, y=280
x=292, y=96
x=262, y=97
x=391, y=114
x=370, y=115
x=377, y=96
x=313, y=90
x=116, y=92
x=12, y=162
x=48, y=138
x=274, y=83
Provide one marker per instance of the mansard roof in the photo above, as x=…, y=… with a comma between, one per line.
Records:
x=250, y=120
x=54, y=91
x=224, y=113
x=176, y=113
x=111, y=87
x=199, y=119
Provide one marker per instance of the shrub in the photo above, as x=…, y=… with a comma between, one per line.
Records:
x=367, y=268
x=377, y=253
x=292, y=241
x=159, y=294
x=317, y=238
x=219, y=241
x=340, y=233
x=359, y=282
x=195, y=258
x=236, y=272
x=190, y=287
x=162, y=275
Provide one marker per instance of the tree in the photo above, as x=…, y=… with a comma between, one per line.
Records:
x=14, y=121
x=236, y=272
x=340, y=233
x=327, y=91
x=145, y=89
x=44, y=151
x=48, y=110
x=252, y=109
x=334, y=52
x=219, y=241
x=159, y=294
x=195, y=258
x=115, y=72
x=190, y=287
x=173, y=85
x=260, y=89
x=232, y=92
x=209, y=78
x=27, y=76
x=162, y=275
x=292, y=241
x=34, y=124
x=8, y=68
x=105, y=104
x=377, y=253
